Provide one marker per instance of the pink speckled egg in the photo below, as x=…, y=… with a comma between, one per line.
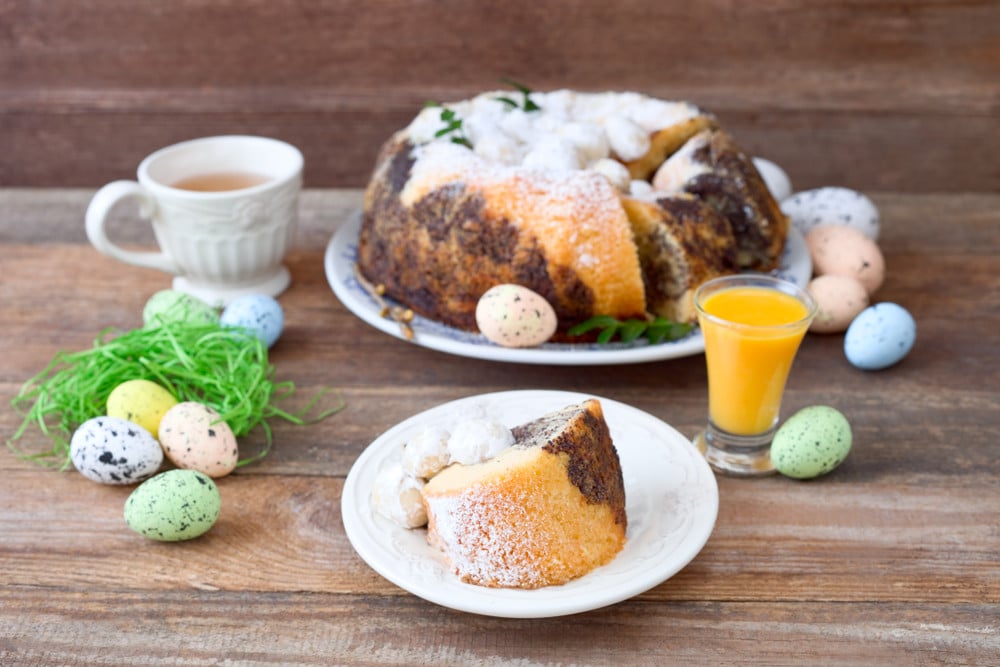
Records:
x=845, y=251
x=194, y=437
x=515, y=316
x=839, y=299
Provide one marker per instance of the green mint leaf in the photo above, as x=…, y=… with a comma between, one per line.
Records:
x=631, y=330
x=596, y=322
x=655, y=331
x=606, y=335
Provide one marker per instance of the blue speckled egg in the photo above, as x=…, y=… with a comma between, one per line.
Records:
x=812, y=442
x=880, y=336
x=832, y=206
x=111, y=450
x=259, y=313
x=175, y=505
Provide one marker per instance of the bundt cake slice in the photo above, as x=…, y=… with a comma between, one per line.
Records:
x=682, y=242
x=543, y=512
x=712, y=167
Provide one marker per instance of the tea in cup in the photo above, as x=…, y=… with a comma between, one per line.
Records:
x=223, y=209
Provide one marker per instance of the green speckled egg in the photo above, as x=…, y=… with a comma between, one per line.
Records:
x=173, y=306
x=173, y=506
x=812, y=442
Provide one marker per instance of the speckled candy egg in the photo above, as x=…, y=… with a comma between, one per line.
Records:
x=173, y=506
x=832, y=206
x=140, y=401
x=880, y=336
x=775, y=178
x=110, y=450
x=259, y=313
x=195, y=437
x=515, y=316
x=844, y=251
x=173, y=306
x=839, y=299
x=812, y=442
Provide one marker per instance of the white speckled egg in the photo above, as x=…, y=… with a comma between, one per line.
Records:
x=259, y=313
x=839, y=299
x=844, y=251
x=194, y=437
x=175, y=505
x=832, y=206
x=812, y=442
x=775, y=178
x=140, y=401
x=880, y=336
x=111, y=450
x=173, y=306
x=515, y=316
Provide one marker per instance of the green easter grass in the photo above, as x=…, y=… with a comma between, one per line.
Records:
x=207, y=363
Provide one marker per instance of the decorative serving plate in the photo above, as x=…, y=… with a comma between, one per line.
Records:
x=670, y=493
x=342, y=254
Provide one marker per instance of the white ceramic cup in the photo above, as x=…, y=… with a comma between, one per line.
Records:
x=219, y=245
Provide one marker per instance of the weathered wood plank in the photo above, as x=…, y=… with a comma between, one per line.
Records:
x=197, y=627
x=879, y=95
x=846, y=540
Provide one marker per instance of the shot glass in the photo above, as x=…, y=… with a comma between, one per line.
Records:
x=752, y=326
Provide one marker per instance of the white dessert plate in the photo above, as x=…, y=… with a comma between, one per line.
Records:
x=670, y=493
x=342, y=253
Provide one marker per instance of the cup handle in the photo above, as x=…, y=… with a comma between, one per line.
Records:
x=97, y=216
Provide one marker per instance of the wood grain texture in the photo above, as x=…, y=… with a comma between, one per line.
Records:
x=890, y=559
x=880, y=95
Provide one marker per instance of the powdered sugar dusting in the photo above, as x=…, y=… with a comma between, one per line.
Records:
x=488, y=539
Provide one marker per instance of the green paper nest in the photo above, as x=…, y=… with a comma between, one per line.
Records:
x=218, y=366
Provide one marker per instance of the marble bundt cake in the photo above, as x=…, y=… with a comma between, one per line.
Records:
x=561, y=196
x=543, y=512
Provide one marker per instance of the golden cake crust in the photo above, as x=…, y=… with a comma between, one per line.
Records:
x=544, y=512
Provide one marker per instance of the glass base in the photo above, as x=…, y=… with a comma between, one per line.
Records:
x=737, y=455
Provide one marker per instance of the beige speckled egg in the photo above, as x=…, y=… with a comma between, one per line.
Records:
x=839, y=299
x=845, y=251
x=515, y=316
x=194, y=437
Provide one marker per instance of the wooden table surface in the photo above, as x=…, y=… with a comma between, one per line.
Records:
x=890, y=559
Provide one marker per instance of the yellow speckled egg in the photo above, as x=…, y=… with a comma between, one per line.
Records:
x=515, y=316
x=845, y=251
x=839, y=299
x=141, y=402
x=195, y=437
